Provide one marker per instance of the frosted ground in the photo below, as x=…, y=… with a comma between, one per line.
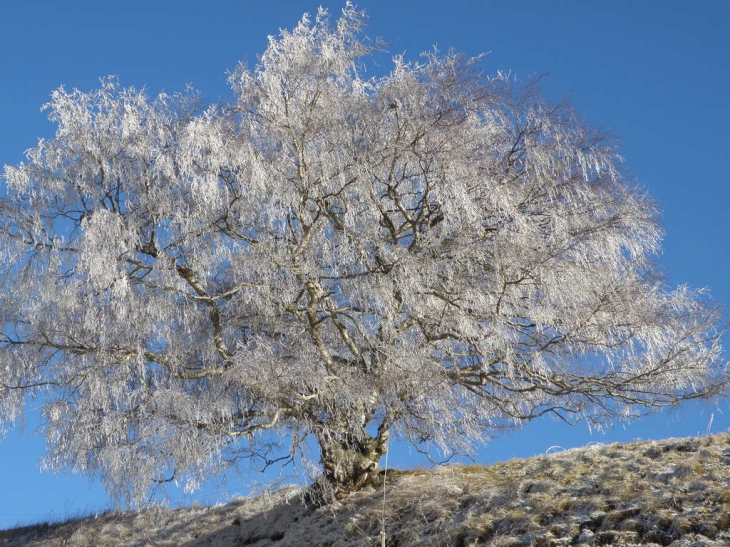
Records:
x=667, y=493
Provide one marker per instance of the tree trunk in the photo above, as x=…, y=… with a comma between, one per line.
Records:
x=349, y=461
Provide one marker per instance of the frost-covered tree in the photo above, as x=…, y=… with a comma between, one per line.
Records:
x=433, y=254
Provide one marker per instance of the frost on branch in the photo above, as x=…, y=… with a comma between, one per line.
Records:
x=432, y=254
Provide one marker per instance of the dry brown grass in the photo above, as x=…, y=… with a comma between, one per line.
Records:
x=674, y=492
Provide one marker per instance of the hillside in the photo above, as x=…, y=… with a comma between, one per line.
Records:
x=674, y=492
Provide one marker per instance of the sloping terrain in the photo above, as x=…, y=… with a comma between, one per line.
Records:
x=674, y=492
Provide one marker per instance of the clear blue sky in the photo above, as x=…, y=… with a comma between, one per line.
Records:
x=654, y=73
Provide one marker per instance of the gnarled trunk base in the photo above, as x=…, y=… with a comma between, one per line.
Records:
x=349, y=463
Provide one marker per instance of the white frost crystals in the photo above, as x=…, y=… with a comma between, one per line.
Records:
x=431, y=254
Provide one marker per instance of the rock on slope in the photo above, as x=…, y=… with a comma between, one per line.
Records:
x=674, y=492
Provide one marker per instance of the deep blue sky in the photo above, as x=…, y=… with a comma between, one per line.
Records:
x=654, y=73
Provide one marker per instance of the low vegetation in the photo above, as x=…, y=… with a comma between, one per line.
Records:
x=668, y=493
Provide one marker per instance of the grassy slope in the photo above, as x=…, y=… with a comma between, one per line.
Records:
x=674, y=492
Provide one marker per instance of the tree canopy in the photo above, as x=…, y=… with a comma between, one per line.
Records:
x=434, y=254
